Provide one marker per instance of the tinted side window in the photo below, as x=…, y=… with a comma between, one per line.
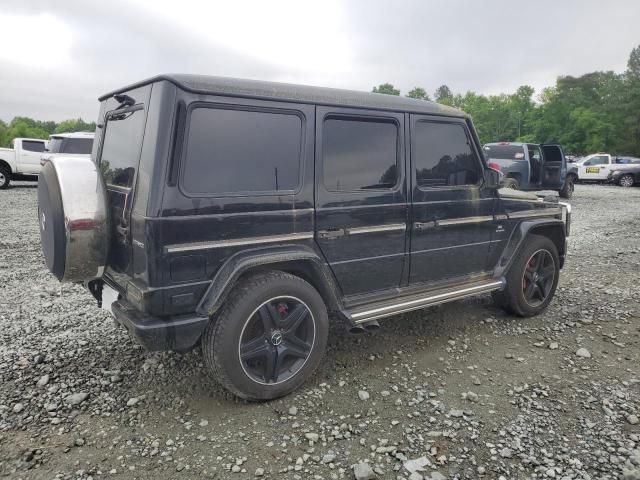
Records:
x=599, y=160
x=359, y=153
x=241, y=151
x=443, y=156
x=33, y=146
x=78, y=145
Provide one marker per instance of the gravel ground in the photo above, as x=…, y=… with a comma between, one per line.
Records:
x=458, y=391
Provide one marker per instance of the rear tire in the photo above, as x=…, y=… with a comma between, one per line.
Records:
x=532, y=279
x=511, y=183
x=626, y=181
x=568, y=187
x=5, y=178
x=268, y=338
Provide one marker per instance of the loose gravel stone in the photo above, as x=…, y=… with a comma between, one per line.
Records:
x=363, y=471
x=583, y=352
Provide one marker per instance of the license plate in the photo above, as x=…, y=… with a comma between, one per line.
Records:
x=593, y=169
x=109, y=295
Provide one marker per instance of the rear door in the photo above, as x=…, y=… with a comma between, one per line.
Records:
x=554, y=167
x=118, y=158
x=361, y=197
x=452, y=213
x=29, y=156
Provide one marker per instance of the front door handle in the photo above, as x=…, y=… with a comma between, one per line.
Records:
x=424, y=225
x=331, y=233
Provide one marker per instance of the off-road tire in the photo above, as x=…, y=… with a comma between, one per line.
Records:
x=5, y=177
x=568, y=187
x=510, y=182
x=221, y=340
x=512, y=298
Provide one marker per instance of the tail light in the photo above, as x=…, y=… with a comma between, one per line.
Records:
x=493, y=166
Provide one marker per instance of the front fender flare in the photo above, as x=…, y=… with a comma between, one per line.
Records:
x=277, y=257
x=553, y=226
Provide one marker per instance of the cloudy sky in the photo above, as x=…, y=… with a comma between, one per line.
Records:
x=58, y=57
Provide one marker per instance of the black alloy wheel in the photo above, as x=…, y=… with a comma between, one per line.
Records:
x=538, y=278
x=268, y=337
x=532, y=279
x=276, y=340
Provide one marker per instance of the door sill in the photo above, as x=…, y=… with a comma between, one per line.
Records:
x=355, y=302
x=417, y=301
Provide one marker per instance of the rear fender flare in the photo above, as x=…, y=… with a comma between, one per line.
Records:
x=299, y=260
x=552, y=228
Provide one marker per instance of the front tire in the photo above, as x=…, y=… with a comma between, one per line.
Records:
x=532, y=279
x=268, y=338
x=626, y=181
x=510, y=182
x=5, y=178
x=568, y=187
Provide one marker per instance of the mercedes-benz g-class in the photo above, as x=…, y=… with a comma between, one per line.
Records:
x=239, y=215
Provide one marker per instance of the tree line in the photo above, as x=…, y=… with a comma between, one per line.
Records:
x=598, y=111
x=25, y=127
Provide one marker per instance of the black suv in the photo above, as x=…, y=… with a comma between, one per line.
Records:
x=237, y=215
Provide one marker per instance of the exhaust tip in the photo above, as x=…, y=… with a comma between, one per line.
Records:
x=357, y=330
x=372, y=326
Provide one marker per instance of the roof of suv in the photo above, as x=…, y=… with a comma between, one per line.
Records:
x=73, y=135
x=235, y=87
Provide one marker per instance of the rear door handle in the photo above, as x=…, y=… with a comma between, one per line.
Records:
x=331, y=233
x=424, y=225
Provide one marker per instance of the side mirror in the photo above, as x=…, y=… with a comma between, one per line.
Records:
x=492, y=178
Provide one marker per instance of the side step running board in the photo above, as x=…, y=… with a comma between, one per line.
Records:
x=417, y=302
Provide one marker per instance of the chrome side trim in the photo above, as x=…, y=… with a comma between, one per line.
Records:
x=373, y=314
x=376, y=228
x=465, y=220
x=549, y=212
x=235, y=242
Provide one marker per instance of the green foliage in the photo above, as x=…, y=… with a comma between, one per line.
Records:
x=25, y=127
x=387, y=89
x=598, y=111
x=76, y=125
x=444, y=95
x=418, y=93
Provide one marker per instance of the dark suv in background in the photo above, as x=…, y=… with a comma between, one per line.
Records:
x=237, y=215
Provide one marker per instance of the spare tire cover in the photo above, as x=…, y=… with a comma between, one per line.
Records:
x=73, y=218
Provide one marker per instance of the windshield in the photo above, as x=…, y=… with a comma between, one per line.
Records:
x=121, y=147
x=71, y=145
x=504, y=152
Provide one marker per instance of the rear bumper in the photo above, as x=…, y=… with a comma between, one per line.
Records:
x=180, y=333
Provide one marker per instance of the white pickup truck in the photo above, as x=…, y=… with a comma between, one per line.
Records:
x=596, y=167
x=21, y=161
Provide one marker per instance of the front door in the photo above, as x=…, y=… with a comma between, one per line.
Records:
x=554, y=167
x=595, y=168
x=29, y=156
x=361, y=197
x=452, y=213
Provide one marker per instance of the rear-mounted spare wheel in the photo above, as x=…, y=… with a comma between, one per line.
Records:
x=73, y=219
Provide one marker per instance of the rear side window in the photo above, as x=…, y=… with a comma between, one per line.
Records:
x=443, y=156
x=77, y=145
x=33, y=146
x=121, y=147
x=241, y=151
x=504, y=152
x=359, y=154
